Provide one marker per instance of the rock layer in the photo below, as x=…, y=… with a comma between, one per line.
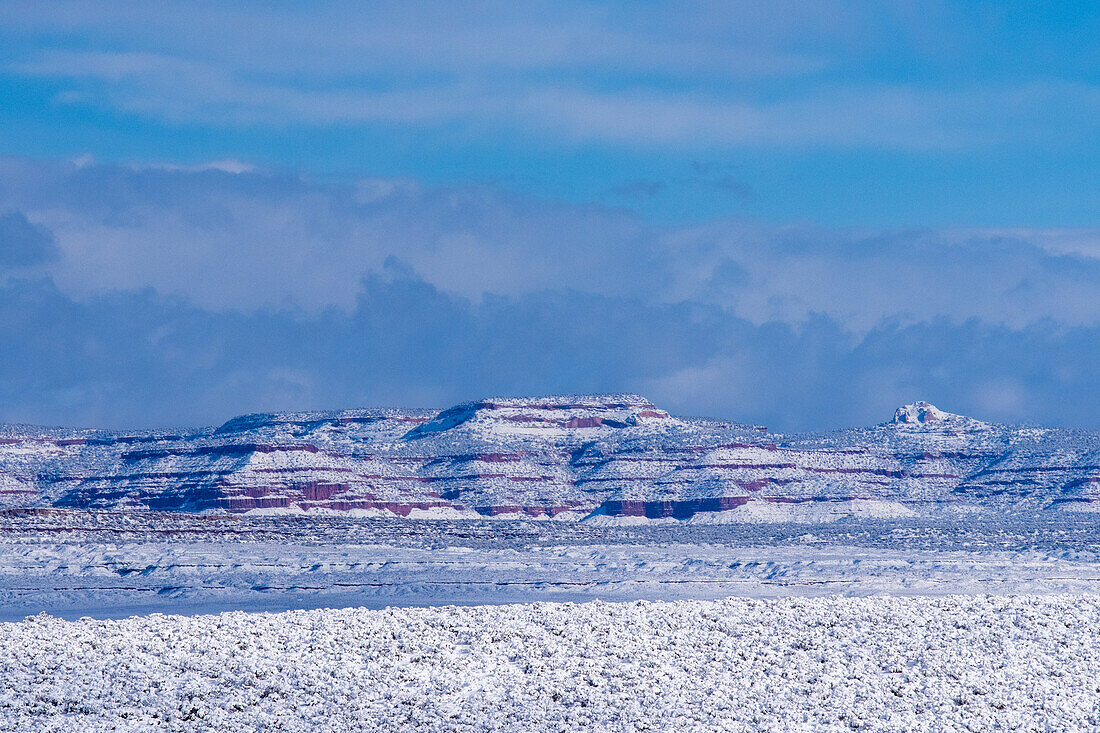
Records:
x=566, y=457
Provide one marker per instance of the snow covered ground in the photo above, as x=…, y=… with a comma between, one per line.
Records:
x=120, y=565
x=878, y=624
x=976, y=663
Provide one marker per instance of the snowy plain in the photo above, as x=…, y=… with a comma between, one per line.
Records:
x=133, y=622
x=112, y=565
x=978, y=663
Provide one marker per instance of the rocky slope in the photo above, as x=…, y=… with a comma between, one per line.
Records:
x=606, y=457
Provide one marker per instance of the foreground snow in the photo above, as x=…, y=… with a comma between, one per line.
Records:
x=884, y=663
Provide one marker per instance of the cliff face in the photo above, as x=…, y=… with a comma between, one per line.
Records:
x=564, y=457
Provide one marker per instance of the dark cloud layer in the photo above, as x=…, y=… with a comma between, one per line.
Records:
x=138, y=358
x=23, y=244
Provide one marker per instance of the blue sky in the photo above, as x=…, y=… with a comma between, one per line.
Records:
x=799, y=214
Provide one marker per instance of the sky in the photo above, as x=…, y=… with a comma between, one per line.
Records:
x=793, y=214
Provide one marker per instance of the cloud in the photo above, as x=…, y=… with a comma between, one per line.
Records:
x=821, y=376
x=23, y=244
x=187, y=295
x=269, y=238
x=862, y=278
x=638, y=189
x=139, y=358
x=784, y=74
x=869, y=115
x=252, y=239
x=335, y=38
x=226, y=165
x=733, y=186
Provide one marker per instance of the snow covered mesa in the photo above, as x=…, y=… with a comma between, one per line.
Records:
x=602, y=457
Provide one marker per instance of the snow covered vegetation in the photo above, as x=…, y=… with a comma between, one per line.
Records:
x=891, y=664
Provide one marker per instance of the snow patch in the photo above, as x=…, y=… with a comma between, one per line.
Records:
x=807, y=511
x=920, y=413
x=443, y=512
x=1081, y=506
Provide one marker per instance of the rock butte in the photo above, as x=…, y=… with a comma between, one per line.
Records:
x=594, y=456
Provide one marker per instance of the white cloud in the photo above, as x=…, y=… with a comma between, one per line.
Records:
x=226, y=165
x=225, y=236
x=710, y=75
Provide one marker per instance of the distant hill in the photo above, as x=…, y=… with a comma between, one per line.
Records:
x=608, y=458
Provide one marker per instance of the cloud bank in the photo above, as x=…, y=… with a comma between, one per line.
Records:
x=167, y=295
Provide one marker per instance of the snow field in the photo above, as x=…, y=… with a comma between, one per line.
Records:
x=883, y=663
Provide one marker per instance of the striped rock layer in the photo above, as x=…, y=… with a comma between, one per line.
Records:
x=563, y=457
